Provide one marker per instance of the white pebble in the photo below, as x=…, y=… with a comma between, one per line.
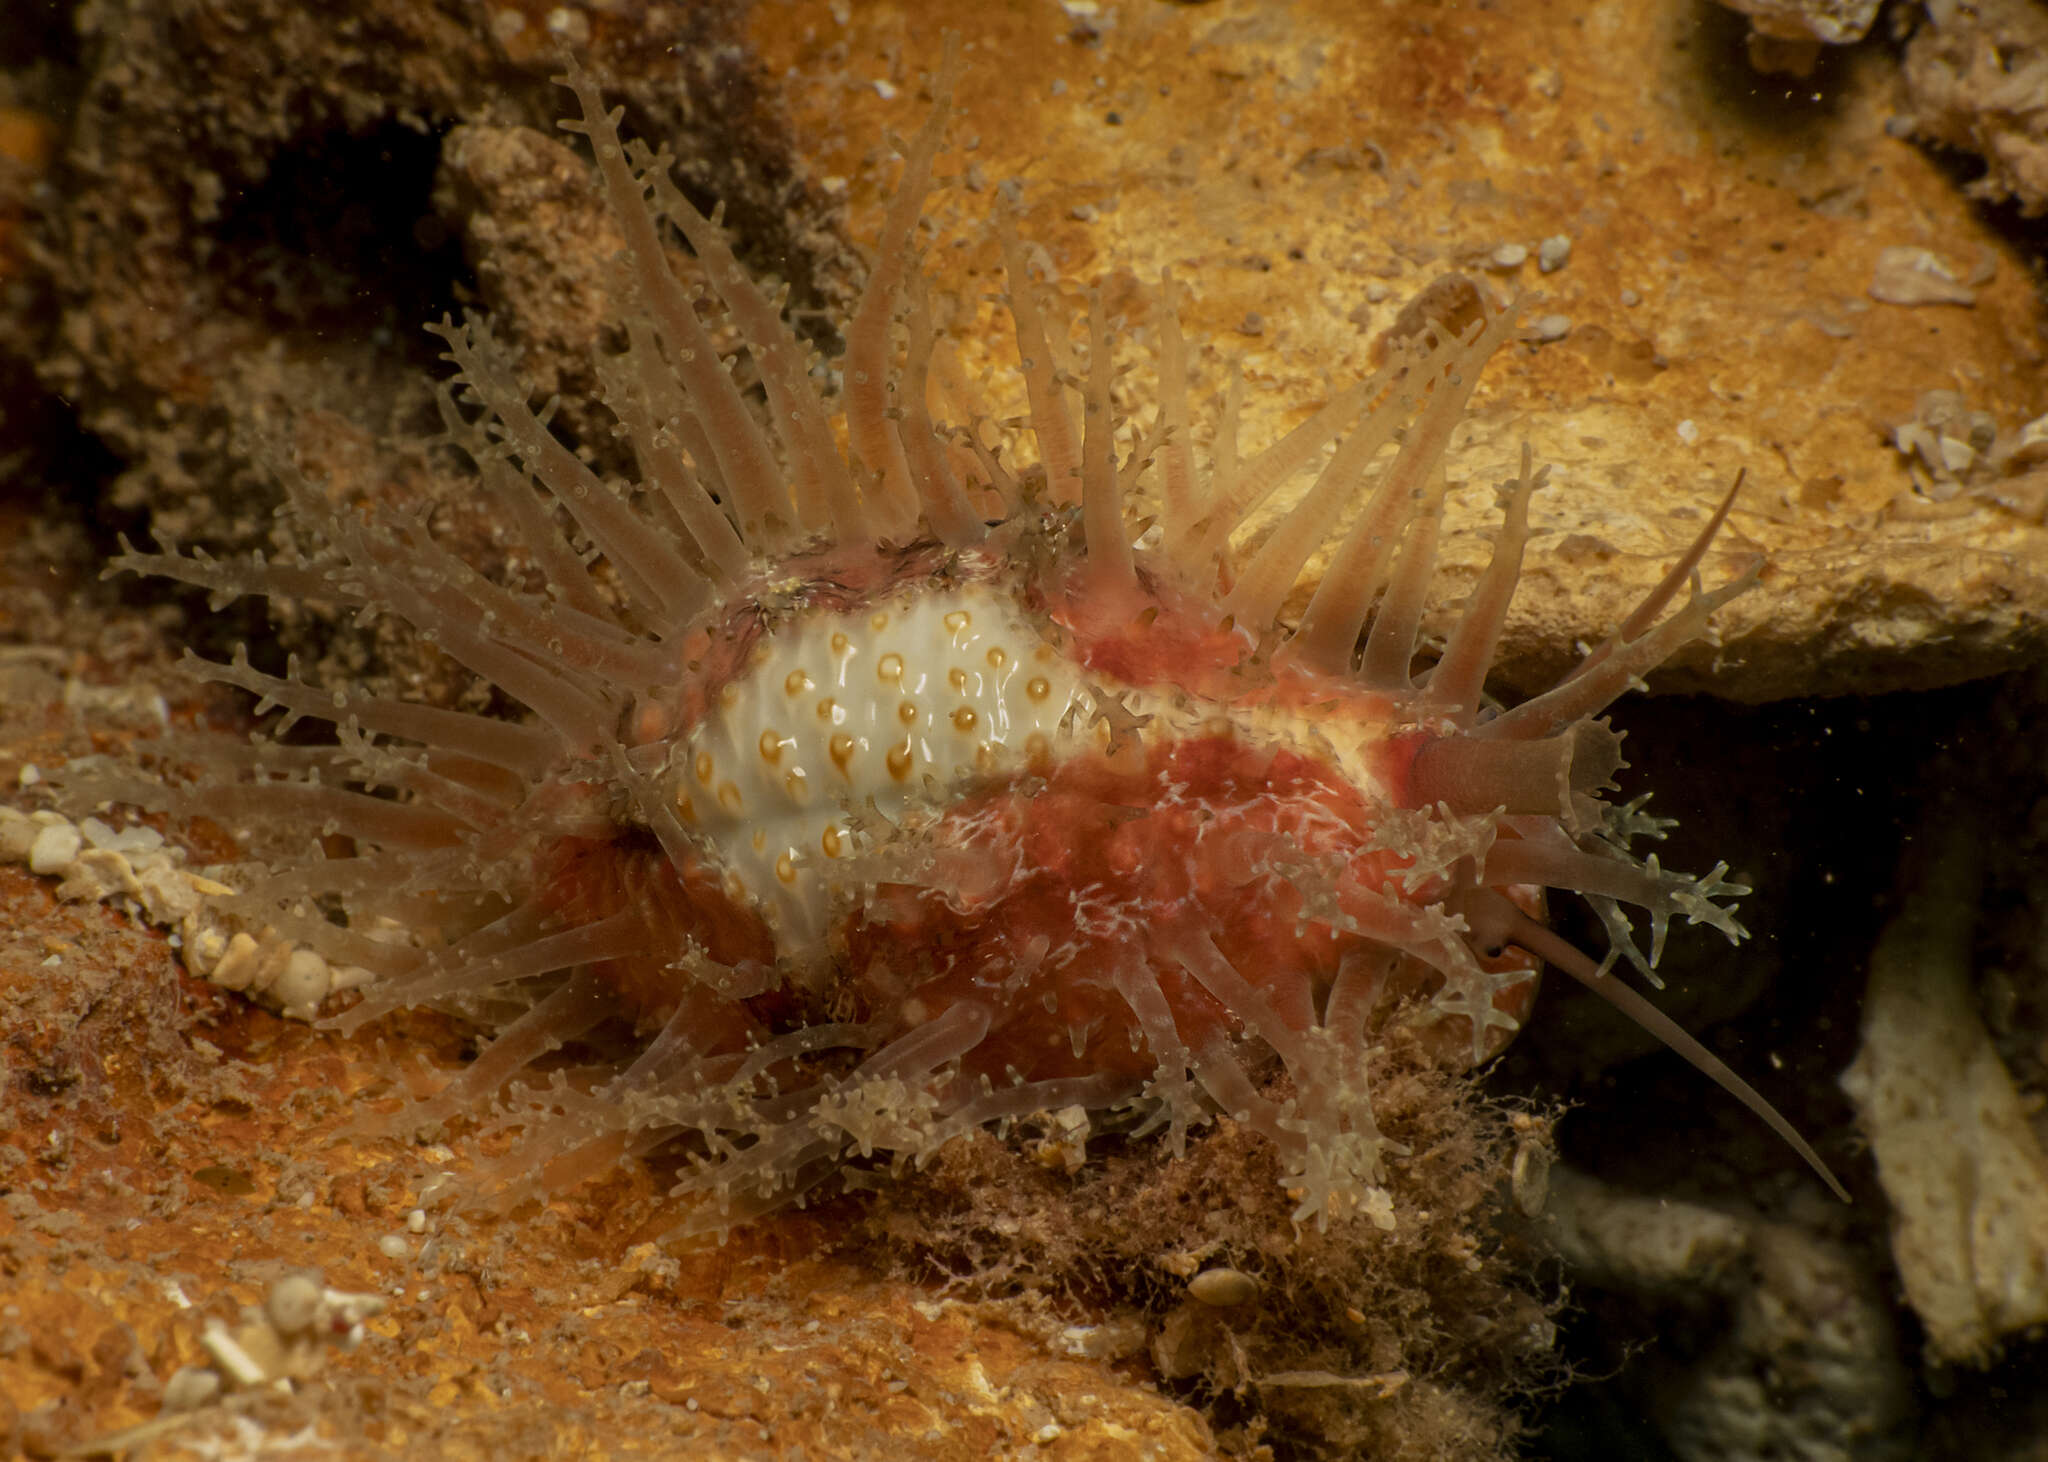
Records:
x=55, y=848
x=1222, y=1287
x=293, y=1303
x=416, y=1221
x=1530, y=1178
x=190, y=1387
x=1551, y=327
x=204, y=950
x=237, y=965
x=141, y=838
x=1687, y=432
x=572, y=26
x=1913, y=276
x=303, y=985
x=1552, y=253
x=1510, y=256
x=394, y=1246
x=17, y=835
x=165, y=891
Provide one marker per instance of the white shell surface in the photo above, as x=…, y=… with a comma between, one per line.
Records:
x=897, y=703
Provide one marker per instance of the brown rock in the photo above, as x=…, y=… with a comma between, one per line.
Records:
x=724, y=1350
x=1977, y=78
x=1307, y=171
x=1319, y=165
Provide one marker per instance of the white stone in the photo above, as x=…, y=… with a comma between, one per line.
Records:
x=302, y=985
x=190, y=1387
x=17, y=835
x=55, y=847
x=293, y=1303
x=237, y=965
x=1913, y=276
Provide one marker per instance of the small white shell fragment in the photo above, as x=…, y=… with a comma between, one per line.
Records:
x=1122, y=1334
x=1066, y=1145
x=1529, y=1177
x=55, y=847
x=342, y=1313
x=2029, y=446
x=167, y=894
x=137, y=839
x=1508, y=256
x=1222, y=1287
x=293, y=1303
x=1553, y=252
x=1550, y=327
x=416, y=1221
x=204, y=949
x=394, y=1246
x=17, y=835
x=190, y=1387
x=272, y=957
x=237, y=965
x=230, y=1358
x=1911, y=276
x=303, y=984
x=99, y=873
x=347, y=977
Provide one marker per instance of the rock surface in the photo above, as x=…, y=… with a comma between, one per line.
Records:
x=1304, y=169
x=168, y=1154
x=1955, y=1149
x=1790, y=1349
x=1306, y=174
